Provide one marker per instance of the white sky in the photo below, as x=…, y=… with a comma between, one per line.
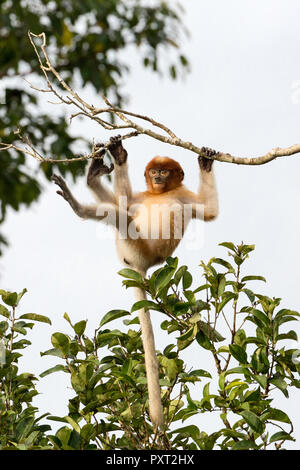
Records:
x=242, y=96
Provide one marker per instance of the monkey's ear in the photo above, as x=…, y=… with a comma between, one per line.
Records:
x=145, y=174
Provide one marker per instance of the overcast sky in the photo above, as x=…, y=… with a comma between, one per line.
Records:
x=242, y=96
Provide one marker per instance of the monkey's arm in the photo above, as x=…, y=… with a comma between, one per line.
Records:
x=96, y=170
x=83, y=211
x=205, y=202
x=122, y=186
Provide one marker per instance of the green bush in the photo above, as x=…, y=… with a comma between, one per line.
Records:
x=242, y=330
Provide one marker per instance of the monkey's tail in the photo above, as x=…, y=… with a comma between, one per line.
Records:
x=152, y=371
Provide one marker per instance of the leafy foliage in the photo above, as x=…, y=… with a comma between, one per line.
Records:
x=242, y=330
x=20, y=428
x=86, y=41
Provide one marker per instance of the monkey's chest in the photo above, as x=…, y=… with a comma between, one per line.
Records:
x=158, y=222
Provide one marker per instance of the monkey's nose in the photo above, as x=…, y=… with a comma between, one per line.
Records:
x=158, y=180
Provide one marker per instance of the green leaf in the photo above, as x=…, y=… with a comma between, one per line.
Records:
x=184, y=61
x=210, y=332
x=227, y=296
x=56, y=368
x=146, y=304
x=10, y=298
x=163, y=278
x=262, y=317
x=254, y=395
x=276, y=415
x=191, y=332
x=290, y=335
x=200, y=373
x=113, y=315
x=66, y=317
x=261, y=379
x=187, y=280
x=253, y=278
x=203, y=340
x=36, y=317
x=223, y=349
x=223, y=263
x=244, y=445
x=250, y=294
x=52, y=352
x=131, y=274
x=21, y=344
x=19, y=328
x=285, y=312
x=173, y=262
x=57, y=418
x=3, y=327
x=79, y=327
x=20, y=295
x=179, y=273
x=4, y=311
x=172, y=367
x=221, y=381
x=188, y=431
x=221, y=286
x=60, y=341
x=73, y=423
x=238, y=353
x=245, y=249
x=186, y=338
x=281, y=436
x=229, y=245
x=281, y=384
x=206, y=390
x=173, y=72
x=88, y=432
x=253, y=421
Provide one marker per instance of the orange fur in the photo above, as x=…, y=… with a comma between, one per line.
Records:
x=165, y=163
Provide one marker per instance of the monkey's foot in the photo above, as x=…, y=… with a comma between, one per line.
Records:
x=98, y=168
x=117, y=150
x=204, y=162
x=65, y=192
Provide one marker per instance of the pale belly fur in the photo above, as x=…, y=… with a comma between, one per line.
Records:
x=153, y=234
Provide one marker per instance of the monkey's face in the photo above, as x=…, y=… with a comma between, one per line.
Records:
x=159, y=179
x=163, y=174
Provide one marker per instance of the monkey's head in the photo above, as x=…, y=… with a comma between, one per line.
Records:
x=163, y=174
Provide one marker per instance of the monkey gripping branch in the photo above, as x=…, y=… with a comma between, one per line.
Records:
x=124, y=120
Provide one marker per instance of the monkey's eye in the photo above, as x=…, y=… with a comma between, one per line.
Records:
x=164, y=172
x=153, y=172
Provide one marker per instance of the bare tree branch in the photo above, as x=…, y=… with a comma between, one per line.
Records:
x=123, y=117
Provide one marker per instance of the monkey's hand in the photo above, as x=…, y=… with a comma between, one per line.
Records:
x=65, y=192
x=204, y=162
x=97, y=167
x=117, y=150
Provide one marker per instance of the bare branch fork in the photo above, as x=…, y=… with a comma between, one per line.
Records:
x=124, y=121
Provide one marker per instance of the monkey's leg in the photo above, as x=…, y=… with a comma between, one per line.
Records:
x=151, y=363
x=122, y=186
x=96, y=170
x=208, y=192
